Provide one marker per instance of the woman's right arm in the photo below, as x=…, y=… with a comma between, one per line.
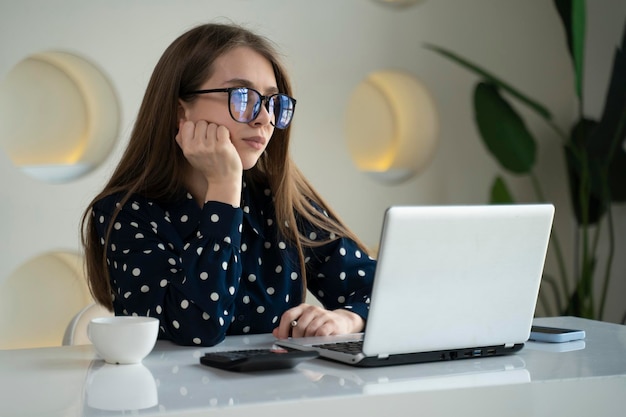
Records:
x=187, y=282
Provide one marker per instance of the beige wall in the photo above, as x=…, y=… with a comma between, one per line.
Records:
x=329, y=45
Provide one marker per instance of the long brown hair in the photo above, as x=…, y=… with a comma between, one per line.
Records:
x=153, y=163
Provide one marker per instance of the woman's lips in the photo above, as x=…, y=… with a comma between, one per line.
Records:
x=255, y=142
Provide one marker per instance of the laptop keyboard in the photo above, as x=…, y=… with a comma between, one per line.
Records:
x=352, y=347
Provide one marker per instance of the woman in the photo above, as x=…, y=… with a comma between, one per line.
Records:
x=206, y=223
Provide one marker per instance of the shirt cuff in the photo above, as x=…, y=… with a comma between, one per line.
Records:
x=222, y=222
x=362, y=309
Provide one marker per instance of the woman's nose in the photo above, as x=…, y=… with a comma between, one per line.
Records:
x=264, y=117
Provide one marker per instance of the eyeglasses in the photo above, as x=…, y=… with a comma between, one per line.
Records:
x=245, y=105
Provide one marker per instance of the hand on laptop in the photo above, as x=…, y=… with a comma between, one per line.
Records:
x=310, y=320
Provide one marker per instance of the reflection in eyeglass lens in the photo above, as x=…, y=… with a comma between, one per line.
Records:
x=246, y=104
x=284, y=110
x=239, y=103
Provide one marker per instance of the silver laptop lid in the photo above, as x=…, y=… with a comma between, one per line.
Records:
x=453, y=277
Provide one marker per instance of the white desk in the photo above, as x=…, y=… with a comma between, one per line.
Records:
x=580, y=378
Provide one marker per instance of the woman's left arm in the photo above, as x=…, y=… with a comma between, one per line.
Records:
x=340, y=276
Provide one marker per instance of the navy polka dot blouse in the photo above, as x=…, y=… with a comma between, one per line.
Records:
x=218, y=270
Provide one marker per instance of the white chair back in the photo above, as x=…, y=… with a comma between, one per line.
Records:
x=76, y=331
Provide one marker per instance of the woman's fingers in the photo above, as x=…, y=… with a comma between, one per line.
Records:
x=308, y=320
x=288, y=322
x=315, y=323
x=209, y=149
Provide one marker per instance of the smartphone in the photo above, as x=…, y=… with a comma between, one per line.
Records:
x=555, y=334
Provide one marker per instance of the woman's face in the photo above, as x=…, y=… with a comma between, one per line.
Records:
x=240, y=67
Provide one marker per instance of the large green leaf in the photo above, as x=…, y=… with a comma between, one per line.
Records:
x=503, y=131
x=617, y=176
x=564, y=7
x=606, y=143
x=585, y=178
x=500, y=193
x=534, y=105
x=572, y=14
x=578, y=43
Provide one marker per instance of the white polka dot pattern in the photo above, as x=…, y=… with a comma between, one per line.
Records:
x=217, y=270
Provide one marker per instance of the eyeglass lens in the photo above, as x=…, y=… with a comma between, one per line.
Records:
x=245, y=105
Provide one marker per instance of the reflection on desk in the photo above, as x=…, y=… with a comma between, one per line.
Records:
x=118, y=388
x=72, y=381
x=467, y=373
x=193, y=385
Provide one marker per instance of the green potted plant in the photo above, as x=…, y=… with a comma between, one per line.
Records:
x=595, y=158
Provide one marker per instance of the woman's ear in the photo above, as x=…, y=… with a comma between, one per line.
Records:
x=182, y=112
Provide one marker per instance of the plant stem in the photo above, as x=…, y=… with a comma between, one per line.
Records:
x=554, y=238
x=583, y=288
x=558, y=131
x=545, y=303
x=606, y=192
x=549, y=280
x=609, y=263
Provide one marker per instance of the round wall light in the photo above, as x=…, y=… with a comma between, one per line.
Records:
x=39, y=299
x=391, y=126
x=59, y=116
x=399, y=3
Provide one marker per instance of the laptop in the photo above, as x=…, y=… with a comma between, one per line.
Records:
x=452, y=282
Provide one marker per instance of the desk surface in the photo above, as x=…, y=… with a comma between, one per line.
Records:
x=577, y=378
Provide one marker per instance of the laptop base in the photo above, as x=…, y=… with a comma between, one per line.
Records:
x=424, y=357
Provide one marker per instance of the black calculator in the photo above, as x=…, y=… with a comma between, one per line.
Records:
x=256, y=359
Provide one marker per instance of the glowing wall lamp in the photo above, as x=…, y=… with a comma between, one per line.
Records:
x=39, y=298
x=59, y=116
x=391, y=126
x=399, y=3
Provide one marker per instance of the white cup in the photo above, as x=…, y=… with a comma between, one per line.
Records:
x=123, y=339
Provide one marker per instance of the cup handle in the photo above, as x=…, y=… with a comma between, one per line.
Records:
x=89, y=332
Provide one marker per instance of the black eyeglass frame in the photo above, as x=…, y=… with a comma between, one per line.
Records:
x=264, y=99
